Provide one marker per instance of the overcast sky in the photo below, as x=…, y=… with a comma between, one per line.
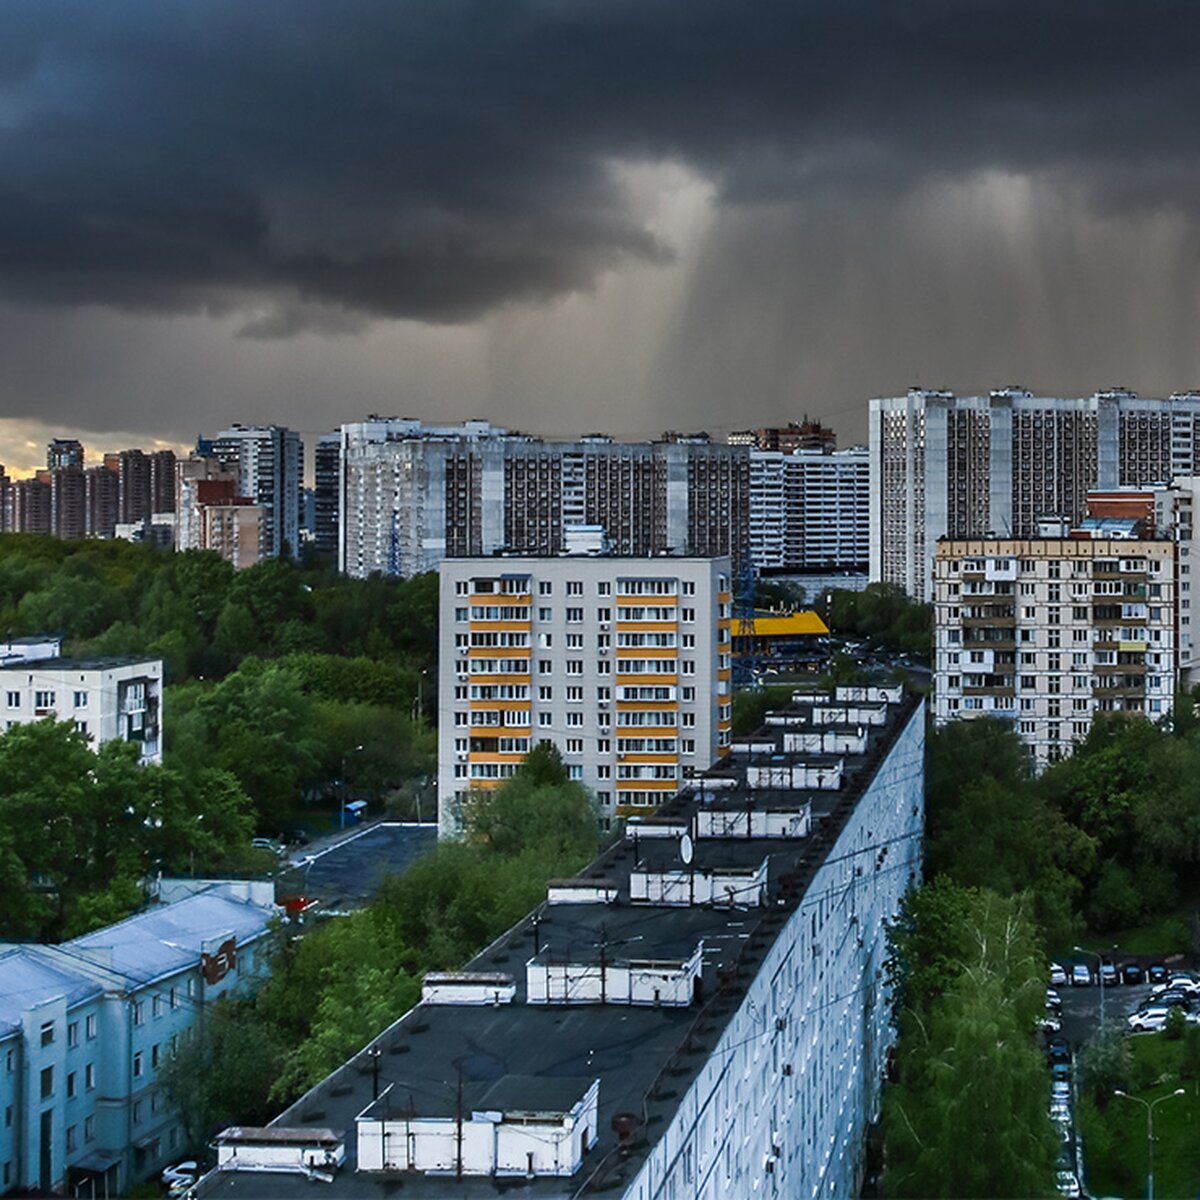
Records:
x=574, y=215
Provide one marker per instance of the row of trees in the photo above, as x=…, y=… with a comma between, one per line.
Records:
x=884, y=614
x=1102, y=840
x=198, y=614
x=337, y=986
x=1017, y=863
x=80, y=832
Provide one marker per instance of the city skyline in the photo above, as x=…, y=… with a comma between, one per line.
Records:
x=639, y=218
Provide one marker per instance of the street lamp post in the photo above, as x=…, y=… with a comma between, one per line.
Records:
x=1099, y=976
x=345, y=787
x=1150, y=1106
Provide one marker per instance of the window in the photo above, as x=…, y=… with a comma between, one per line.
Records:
x=574, y=641
x=70, y=1138
x=687, y=614
x=137, y=1112
x=462, y=587
x=43, y=700
x=154, y=1054
x=89, y=1129
x=71, y=1084
x=173, y=998
x=545, y=692
x=47, y=1082
x=14, y=699
x=137, y=1065
x=156, y=1006
x=545, y=720
x=47, y=1033
x=545, y=614
x=574, y=666
x=89, y=1077
x=574, y=720
x=545, y=587
x=89, y=1027
x=73, y=1034
x=139, y=1012
x=81, y=699
x=574, y=587
x=574, y=694
x=545, y=666
x=574, y=616
x=574, y=745
x=604, y=588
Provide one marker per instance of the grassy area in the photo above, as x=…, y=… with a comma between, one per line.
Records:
x=1170, y=934
x=1114, y=1140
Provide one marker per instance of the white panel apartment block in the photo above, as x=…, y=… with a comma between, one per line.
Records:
x=624, y=664
x=1045, y=633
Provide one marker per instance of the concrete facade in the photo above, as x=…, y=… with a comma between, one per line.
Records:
x=623, y=663
x=999, y=465
x=106, y=698
x=1045, y=633
x=85, y=1025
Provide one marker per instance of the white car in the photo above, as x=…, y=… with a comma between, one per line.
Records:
x=1151, y=1020
x=1081, y=975
x=1058, y=977
x=1060, y=1089
x=1067, y=1184
x=180, y=1172
x=1051, y=1024
x=1184, y=983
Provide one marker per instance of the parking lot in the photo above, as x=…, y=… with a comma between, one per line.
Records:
x=1080, y=1017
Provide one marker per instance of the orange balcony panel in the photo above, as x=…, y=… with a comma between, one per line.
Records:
x=500, y=626
x=647, y=785
x=498, y=598
x=499, y=705
x=493, y=756
x=647, y=601
x=647, y=681
x=666, y=758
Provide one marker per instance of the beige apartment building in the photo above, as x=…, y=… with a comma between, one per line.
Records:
x=1047, y=632
x=623, y=663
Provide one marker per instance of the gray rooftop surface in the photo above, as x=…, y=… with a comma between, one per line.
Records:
x=105, y=663
x=645, y=1057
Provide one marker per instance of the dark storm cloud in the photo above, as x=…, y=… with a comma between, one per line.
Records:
x=436, y=160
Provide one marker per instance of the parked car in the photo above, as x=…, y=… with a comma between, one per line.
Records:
x=1058, y=976
x=1167, y=997
x=1059, y=1050
x=180, y=1171
x=1053, y=1000
x=1081, y=975
x=262, y=843
x=1185, y=984
x=1108, y=974
x=1149, y=1020
x=1060, y=1113
x=1060, y=1091
x=1060, y=1072
x=1157, y=973
x=1067, y=1183
x=1132, y=974
x=1051, y=1024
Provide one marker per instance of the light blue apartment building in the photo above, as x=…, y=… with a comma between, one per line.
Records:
x=85, y=1025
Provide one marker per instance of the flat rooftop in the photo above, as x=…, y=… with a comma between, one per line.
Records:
x=644, y=1056
x=104, y=663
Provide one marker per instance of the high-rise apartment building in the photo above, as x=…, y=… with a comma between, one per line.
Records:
x=999, y=465
x=1047, y=632
x=64, y=453
x=101, y=502
x=27, y=506
x=269, y=461
x=327, y=474
x=211, y=515
x=412, y=495
x=810, y=511
x=68, y=501
x=623, y=663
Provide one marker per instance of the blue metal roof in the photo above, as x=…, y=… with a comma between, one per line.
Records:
x=27, y=979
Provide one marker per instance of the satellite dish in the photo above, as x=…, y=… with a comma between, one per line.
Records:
x=685, y=849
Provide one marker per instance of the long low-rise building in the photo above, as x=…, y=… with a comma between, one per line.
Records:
x=85, y=1026
x=702, y=1012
